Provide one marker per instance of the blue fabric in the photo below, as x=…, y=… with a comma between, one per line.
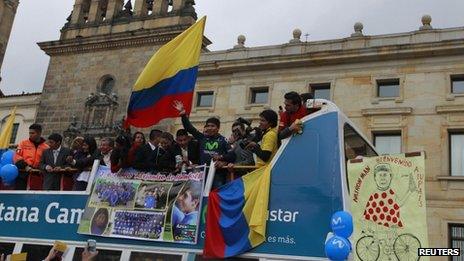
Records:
x=182, y=82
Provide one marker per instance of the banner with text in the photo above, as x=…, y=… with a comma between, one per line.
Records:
x=146, y=206
x=388, y=207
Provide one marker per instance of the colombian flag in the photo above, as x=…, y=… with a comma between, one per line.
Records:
x=236, y=216
x=169, y=75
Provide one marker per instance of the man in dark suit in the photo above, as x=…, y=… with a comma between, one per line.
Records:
x=146, y=156
x=52, y=161
x=187, y=147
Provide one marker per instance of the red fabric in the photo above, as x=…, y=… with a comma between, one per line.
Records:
x=34, y=181
x=287, y=118
x=29, y=153
x=383, y=210
x=214, y=241
x=161, y=110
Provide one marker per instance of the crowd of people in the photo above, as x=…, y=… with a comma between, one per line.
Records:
x=162, y=153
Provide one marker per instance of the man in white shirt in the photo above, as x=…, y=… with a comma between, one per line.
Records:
x=106, y=148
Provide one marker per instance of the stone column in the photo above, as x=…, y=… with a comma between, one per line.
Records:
x=114, y=6
x=140, y=9
x=178, y=5
x=95, y=11
x=160, y=7
x=78, y=12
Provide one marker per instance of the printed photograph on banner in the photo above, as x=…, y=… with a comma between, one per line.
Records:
x=138, y=224
x=146, y=206
x=114, y=193
x=185, y=212
x=95, y=221
x=152, y=196
x=388, y=207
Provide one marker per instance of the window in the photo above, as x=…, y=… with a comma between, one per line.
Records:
x=457, y=154
x=355, y=145
x=320, y=90
x=456, y=238
x=6, y=248
x=103, y=254
x=36, y=251
x=106, y=84
x=259, y=95
x=140, y=256
x=387, y=143
x=388, y=88
x=205, y=99
x=457, y=83
x=14, y=133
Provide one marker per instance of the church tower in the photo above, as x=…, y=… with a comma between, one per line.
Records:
x=102, y=49
x=7, y=15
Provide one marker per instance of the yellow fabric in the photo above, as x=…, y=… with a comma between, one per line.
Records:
x=269, y=143
x=18, y=257
x=180, y=53
x=7, y=130
x=256, y=192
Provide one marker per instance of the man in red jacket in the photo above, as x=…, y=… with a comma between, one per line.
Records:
x=294, y=110
x=28, y=155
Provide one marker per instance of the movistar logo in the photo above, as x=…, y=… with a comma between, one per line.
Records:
x=212, y=145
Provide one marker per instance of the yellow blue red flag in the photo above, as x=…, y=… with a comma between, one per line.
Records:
x=237, y=213
x=169, y=75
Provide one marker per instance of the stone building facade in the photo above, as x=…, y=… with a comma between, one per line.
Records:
x=408, y=83
x=102, y=49
x=7, y=15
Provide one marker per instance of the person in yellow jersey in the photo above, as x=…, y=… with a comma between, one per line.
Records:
x=268, y=120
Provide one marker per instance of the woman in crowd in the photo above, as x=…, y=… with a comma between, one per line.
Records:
x=83, y=160
x=119, y=157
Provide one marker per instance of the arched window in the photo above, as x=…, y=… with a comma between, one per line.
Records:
x=106, y=84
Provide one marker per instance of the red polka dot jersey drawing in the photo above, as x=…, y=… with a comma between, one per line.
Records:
x=383, y=210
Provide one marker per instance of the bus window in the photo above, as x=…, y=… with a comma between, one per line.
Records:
x=36, y=252
x=355, y=146
x=103, y=254
x=6, y=248
x=141, y=256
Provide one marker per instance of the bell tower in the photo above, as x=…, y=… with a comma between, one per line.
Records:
x=102, y=49
x=7, y=14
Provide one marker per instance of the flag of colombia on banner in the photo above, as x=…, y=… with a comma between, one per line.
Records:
x=169, y=75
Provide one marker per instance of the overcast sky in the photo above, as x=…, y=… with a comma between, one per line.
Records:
x=263, y=22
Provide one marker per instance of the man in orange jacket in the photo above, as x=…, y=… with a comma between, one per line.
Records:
x=28, y=155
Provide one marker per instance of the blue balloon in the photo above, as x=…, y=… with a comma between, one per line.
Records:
x=8, y=173
x=342, y=224
x=7, y=157
x=337, y=248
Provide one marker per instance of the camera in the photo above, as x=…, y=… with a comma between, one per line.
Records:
x=252, y=134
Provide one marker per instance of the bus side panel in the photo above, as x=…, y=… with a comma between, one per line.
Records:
x=305, y=190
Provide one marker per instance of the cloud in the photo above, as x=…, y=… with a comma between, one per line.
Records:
x=267, y=22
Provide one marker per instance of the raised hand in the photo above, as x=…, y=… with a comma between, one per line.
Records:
x=179, y=106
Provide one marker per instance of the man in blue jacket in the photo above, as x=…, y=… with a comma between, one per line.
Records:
x=212, y=144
